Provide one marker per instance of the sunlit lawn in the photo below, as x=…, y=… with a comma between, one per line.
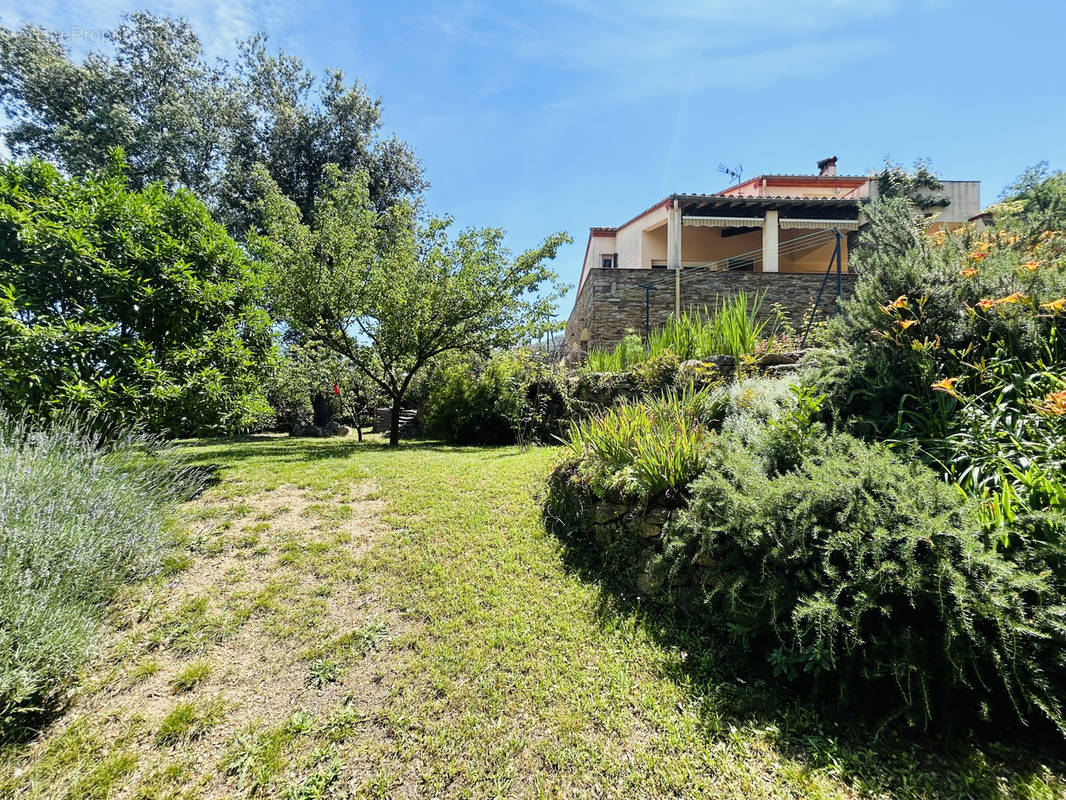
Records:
x=342, y=620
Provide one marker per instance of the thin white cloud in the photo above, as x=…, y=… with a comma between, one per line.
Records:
x=627, y=50
x=219, y=24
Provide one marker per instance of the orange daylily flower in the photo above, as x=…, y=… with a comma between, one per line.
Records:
x=987, y=304
x=1017, y=297
x=977, y=255
x=899, y=302
x=946, y=385
x=1031, y=266
x=1053, y=404
x=969, y=272
x=1055, y=306
x=906, y=323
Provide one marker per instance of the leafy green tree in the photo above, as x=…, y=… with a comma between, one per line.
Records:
x=295, y=126
x=389, y=294
x=1034, y=208
x=156, y=97
x=189, y=123
x=309, y=371
x=915, y=185
x=132, y=305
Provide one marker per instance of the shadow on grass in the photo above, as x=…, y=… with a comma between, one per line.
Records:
x=278, y=447
x=873, y=756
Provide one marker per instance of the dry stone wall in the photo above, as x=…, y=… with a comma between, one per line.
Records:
x=611, y=301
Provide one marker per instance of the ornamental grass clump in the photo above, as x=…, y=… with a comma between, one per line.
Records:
x=732, y=328
x=79, y=516
x=640, y=450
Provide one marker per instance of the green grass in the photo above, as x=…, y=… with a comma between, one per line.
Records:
x=189, y=719
x=476, y=656
x=196, y=672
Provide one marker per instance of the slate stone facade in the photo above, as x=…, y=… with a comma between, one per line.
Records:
x=611, y=301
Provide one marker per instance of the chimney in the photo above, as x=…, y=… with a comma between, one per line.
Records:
x=827, y=167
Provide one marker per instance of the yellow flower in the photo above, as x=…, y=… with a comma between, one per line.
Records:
x=1053, y=404
x=969, y=272
x=1010, y=299
x=1055, y=306
x=906, y=323
x=946, y=385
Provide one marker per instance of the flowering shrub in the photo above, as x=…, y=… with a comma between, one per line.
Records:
x=932, y=308
x=79, y=516
x=953, y=343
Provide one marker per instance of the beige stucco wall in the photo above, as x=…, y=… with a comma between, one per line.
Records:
x=599, y=246
x=965, y=198
x=631, y=239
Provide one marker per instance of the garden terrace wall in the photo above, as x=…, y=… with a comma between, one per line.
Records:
x=611, y=301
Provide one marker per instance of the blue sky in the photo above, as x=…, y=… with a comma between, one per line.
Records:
x=564, y=114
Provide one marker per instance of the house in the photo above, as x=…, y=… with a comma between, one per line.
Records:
x=785, y=235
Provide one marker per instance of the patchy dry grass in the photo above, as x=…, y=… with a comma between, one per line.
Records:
x=341, y=620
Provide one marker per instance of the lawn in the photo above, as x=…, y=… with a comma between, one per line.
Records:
x=344, y=620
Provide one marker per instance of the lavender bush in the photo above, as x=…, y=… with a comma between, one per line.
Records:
x=79, y=516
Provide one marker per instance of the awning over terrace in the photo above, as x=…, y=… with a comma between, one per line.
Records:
x=735, y=214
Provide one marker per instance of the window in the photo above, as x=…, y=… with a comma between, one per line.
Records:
x=609, y=261
x=741, y=264
x=602, y=288
x=658, y=265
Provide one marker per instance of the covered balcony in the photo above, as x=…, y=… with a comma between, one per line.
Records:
x=750, y=234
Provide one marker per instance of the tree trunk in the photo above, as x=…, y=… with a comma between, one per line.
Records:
x=394, y=428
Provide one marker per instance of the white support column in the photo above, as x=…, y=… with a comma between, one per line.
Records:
x=769, y=241
x=673, y=251
x=673, y=223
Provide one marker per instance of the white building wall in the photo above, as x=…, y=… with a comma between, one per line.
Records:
x=964, y=198
x=598, y=246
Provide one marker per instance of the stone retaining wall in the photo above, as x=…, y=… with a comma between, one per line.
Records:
x=612, y=302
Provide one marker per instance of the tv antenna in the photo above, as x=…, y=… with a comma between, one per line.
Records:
x=732, y=173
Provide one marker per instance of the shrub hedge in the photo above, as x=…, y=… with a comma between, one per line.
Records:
x=843, y=569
